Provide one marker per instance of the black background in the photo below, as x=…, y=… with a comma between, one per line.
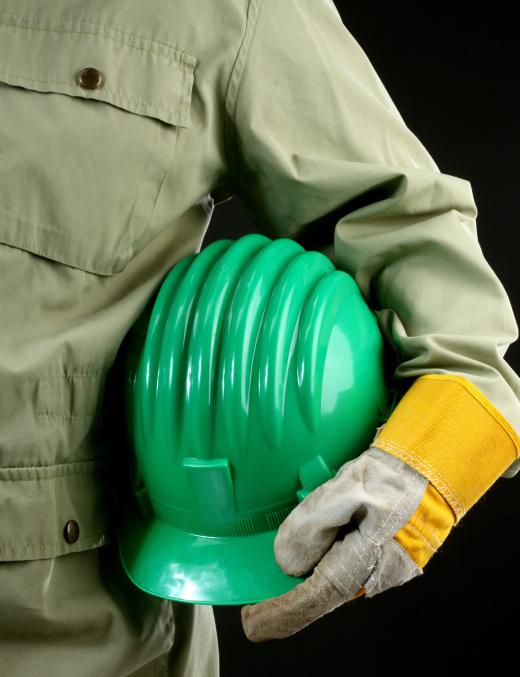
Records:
x=452, y=70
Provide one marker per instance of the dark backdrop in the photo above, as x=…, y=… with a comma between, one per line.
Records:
x=452, y=70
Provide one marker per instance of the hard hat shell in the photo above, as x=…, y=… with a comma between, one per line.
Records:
x=256, y=374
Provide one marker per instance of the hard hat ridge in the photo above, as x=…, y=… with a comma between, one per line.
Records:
x=259, y=374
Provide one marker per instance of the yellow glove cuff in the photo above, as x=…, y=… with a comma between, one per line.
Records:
x=447, y=430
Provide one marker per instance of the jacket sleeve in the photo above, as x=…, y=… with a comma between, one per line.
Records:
x=316, y=145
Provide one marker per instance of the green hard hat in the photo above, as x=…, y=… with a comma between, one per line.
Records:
x=254, y=375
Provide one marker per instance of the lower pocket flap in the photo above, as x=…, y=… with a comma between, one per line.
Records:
x=54, y=510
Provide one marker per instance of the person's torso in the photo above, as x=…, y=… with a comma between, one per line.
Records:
x=105, y=180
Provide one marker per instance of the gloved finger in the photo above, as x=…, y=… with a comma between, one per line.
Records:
x=336, y=579
x=311, y=527
x=282, y=616
x=375, y=493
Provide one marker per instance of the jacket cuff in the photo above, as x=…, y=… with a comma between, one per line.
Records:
x=447, y=430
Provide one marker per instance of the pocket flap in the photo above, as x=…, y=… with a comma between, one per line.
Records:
x=140, y=75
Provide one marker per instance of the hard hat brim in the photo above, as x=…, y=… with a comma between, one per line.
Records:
x=173, y=564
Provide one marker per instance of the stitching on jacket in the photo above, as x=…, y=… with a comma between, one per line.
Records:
x=40, y=479
x=57, y=256
x=232, y=90
x=72, y=374
x=100, y=539
x=65, y=417
x=115, y=92
x=67, y=382
x=94, y=466
x=185, y=59
x=99, y=464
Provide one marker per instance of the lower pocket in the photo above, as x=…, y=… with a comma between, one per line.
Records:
x=55, y=510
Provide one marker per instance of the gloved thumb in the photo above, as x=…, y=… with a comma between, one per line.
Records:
x=282, y=616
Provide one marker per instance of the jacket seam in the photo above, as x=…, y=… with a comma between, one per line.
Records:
x=116, y=94
x=233, y=89
x=52, y=472
x=50, y=253
x=72, y=374
x=65, y=417
x=95, y=538
x=175, y=54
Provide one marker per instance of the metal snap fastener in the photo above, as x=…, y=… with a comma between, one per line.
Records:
x=90, y=78
x=71, y=531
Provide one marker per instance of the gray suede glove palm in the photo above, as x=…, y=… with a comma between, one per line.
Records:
x=374, y=495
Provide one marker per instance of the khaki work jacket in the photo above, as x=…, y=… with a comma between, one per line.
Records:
x=122, y=125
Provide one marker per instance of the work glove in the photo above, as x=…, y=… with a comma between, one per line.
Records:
x=390, y=520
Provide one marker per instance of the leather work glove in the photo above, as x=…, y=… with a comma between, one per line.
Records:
x=395, y=519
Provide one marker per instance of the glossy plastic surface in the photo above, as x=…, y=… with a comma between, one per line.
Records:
x=256, y=375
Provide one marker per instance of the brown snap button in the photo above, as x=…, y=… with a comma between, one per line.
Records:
x=71, y=531
x=90, y=78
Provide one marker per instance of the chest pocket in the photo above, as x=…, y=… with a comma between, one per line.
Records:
x=89, y=120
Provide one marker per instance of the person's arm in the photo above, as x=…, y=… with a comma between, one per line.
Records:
x=316, y=147
x=316, y=144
